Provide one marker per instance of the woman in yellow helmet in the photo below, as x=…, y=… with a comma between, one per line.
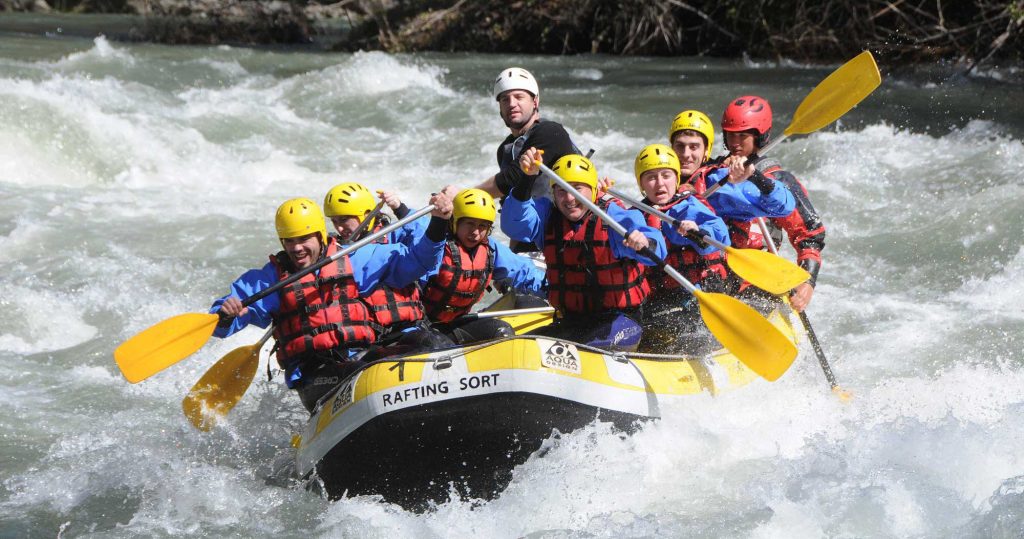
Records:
x=472, y=260
x=319, y=321
x=595, y=277
x=672, y=320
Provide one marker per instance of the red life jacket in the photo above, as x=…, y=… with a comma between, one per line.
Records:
x=583, y=274
x=319, y=312
x=699, y=178
x=684, y=258
x=460, y=282
x=390, y=306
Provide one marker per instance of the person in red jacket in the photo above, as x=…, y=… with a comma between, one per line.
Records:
x=397, y=312
x=595, y=275
x=747, y=124
x=322, y=327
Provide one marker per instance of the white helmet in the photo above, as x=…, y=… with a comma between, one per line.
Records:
x=515, y=78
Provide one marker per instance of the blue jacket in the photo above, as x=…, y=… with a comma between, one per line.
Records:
x=518, y=271
x=395, y=265
x=412, y=231
x=527, y=221
x=744, y=201
x=692, y=209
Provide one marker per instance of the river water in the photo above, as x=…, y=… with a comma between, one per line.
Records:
x=136, y=181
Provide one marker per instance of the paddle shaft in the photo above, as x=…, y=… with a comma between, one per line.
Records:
x=264, y=338
x=695, y=236
x=365, y=222
x=361, y=243
x=811, y=335
x=510, y=312
x=619, y=229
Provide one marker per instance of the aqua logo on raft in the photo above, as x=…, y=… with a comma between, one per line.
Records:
x=562, y=356
x=344, y=397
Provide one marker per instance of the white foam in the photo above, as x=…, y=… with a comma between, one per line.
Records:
x=38, y=320
x=587, y=74
x=133, y=202
x=998, y=296
x=102, y=52
x=371, y=74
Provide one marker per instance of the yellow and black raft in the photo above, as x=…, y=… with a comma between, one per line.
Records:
x=413, y=428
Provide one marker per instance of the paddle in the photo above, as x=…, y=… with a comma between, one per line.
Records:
x=510, y=312
x=827, y=102
x=843, y=394
x=765, y=270
x=365, y=223
x=740, y=329
x=223, y=385
x=168, y=342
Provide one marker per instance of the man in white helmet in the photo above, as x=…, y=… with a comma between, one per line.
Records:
x=518, y=98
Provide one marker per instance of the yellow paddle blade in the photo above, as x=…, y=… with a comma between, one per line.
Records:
x=220, y=389
x=836, y=95
x=844, y=395
x=522, y=323
x=765, y=270
x=747, y=335
x=163, y=345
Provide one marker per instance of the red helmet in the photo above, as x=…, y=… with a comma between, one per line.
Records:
x=749, y=113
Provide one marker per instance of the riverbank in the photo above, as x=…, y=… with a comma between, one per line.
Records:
x=972, y=34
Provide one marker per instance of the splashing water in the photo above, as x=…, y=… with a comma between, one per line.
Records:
x=139, y=180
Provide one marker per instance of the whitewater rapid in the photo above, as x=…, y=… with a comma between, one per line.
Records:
x=136, y=181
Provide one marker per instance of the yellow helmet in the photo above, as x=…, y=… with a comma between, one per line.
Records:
x=349, y=198
x=298, y=217
x=574, y=168
x=694, y=120
x=655, y=156
x=474, y=204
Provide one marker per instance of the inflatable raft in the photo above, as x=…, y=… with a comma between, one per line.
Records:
x=413, y=428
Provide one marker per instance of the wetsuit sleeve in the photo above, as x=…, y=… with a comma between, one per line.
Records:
x=524, y=220
x=548, y=136
x=803, y=226
x=395, y=265
x=250, y=283
x=521, y=271
x=629, y=219
x=402, y=211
